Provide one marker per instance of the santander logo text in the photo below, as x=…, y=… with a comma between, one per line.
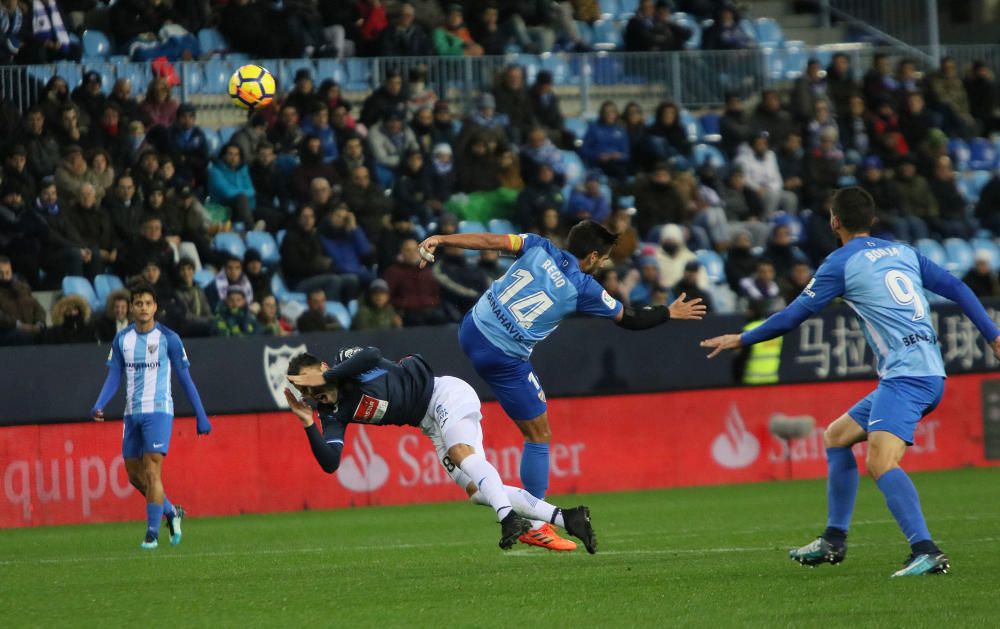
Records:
x=735, y=448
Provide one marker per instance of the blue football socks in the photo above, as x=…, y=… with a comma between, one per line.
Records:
x=841, y=490
x=154, y=513
x=168, y=509
x=535, y=468
x=904, y=503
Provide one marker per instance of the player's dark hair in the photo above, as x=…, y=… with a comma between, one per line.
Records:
x=141, y=288
x=4, y=260
x=855, y=208
x=301, y=361
x=587, y=237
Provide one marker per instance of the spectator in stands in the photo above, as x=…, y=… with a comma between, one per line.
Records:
x=442, y=176
x=128, y=105
x=147, y=171
x=443, y=131
x=928, y=153
x=49, y=40
x=878, y=83
x=390, y=139
x=256, y=274
x=606, y=143
x=489, y=262
x=981, y=88
x=270, y=186
x=303, y=95
x=546, y=110
x=620, y=222
x=413, y=189
x=350, y=250
x=254, y=28
x=892, y=222
x=949, y=97
x=15, y=170
x=367, y=201
x=782, y=252
x=725, y=32
x=22, y=318
x=656, y=200
x=370, y=20
x=102, y=172
x=322, y=197
x=530, y=22
x=760, y=165
x=987, y=208
x=666, y=137
x=854, y=132
x=400, y=230
x=11, y=27
x=761, y=285
x=352, y=156
x=513, y=101
x=317, y=125
x=981, y=278
x=807, y=90
x=72, y=172
x=488, y=33
x=71, y=322
x=153, y=275
x=108, y=132
x=612, y=284
x=907, y=80
x=740, y=260
x=65, y=252
x=673, y=255
x=915, y=193
x=461, y=283
x=233, y=317
x=419, y=93
x=413, y=290
x=543, y=193
x=160, y=107
x=551, y=227
x=477, y=166
x=791, y=165
x=42, y=149
x=304, y=265
x=251, y=135
x=316, y=318
x=375, y=311
x=311, y=167
x=405, y=38
x=824, y=166
x=509, y=169
x=890, y=144
x=67, y=129
x=796, y=281
x=952, y=222
x=692, y=283
x=286, y=135
x=229, y=184
x=589, y=201
x=389, y=96
x=840, y=84
x=821, y=119
x=115, y=317
x=915, y=121
x=54, y=96
x=453, y=38
x=820, y=241
x=230, y=278
x=135, y=144
x=93, y=225
x=23, y=232
x=770, y=116
x=194, y=314
x=651, y=29
x=125, y=210
x=734, y=125
x=422, y=126
x=492, y=127
x=270, y=319
x=187, y=146
x=742, y=204
x=647, y=281
x=540, y=150
x=343, y=124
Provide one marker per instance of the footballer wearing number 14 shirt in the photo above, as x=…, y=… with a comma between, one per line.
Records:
x=542, y=287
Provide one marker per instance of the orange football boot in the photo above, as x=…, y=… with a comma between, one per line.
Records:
x=546, y=537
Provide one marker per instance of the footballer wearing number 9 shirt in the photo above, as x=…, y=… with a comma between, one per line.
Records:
x=542, y=287
x=883, y=282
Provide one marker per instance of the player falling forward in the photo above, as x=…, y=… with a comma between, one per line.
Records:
x=543, y=286
x=363, y=388
x=883, y=282
x=145, y=351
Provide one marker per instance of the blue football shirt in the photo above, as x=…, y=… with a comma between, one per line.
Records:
x=883, y=282
x=146, y=360
x=542, y=287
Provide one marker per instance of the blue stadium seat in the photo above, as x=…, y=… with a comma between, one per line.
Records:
x=213, y=142
x=710, y=127
x=265, y=245
x=229, y=242
x=714, y=266
x=691, y=125
x=768, y=32
x=774, y=63
x=470, y=227
x=959, y=256
x=501, y=226
x=281, y=236
x=226, y=134
x=575, y=169
x=203, y=277
x=281, y=292
x=352, y=307
x=531, y=64
x=330, y=69
x=608, y=34
x=746, y=25
x=359, y=74
x=339, y=310
x=562, y=74
x=577, y=125
x=688, y=22
x=972, y=184
x=74, y=285
x=217, y=75
x=796, y=55
x=627, y=7
x=959, y=152
x=192, y=77
x=586, y=32
x=990, y=247
x=105, y=284
x=212, y=42
x=610, y=7
x=707, y=152
x=933, y=250
x=95, y=45
x=982, y=155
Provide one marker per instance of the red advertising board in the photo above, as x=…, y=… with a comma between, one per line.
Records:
x=70, y=473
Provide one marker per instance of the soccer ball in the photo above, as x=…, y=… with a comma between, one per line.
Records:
x=251, y=87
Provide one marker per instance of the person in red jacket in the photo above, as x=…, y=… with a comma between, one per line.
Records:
x=413, y=290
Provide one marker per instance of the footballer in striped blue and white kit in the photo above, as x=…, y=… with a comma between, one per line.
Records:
x=543, y=286
x=146, y=353
x=884, y=283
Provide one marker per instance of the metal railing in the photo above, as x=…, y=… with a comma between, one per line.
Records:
x=695, y=79
x=907, y=24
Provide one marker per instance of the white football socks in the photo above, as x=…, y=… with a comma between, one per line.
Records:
x=527, y=506
x=488, y=481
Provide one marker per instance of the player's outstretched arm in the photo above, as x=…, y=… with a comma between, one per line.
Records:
x=777, y=325
x=179, y=360
x=500, y=242
x=937, y=279
x=110, y=387
x=652, y=316
x=326, y=448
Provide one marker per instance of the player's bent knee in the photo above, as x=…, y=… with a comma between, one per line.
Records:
x=536, y=430
x=458, y=452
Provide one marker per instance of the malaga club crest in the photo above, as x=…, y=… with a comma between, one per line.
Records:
x=276, y=370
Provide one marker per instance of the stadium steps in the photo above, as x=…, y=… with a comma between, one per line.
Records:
x=801, y=27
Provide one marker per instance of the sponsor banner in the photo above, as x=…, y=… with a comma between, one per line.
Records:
x=61, y=474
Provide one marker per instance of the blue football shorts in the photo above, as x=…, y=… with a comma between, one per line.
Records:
x=146, y=432
x=512, y=379
x=898, y=405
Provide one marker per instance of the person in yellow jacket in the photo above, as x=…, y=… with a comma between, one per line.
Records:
x=759, y=363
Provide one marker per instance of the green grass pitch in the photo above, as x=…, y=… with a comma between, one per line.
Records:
x=713, y=556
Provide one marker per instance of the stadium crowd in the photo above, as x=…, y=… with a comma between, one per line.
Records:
x=98, y=181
